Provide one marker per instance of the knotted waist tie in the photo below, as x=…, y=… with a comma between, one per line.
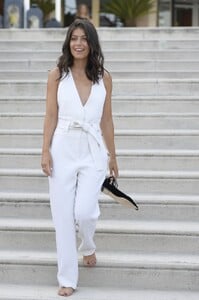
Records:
x=94, y=138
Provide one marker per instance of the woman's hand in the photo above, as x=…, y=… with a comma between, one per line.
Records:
x=113, y=169
x=46, y=163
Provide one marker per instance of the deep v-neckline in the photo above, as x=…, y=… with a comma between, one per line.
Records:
x=83, y=104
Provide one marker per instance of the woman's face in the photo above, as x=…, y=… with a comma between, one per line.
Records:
x=78, y=44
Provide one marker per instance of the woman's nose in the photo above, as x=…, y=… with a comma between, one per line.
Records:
x=78, y=41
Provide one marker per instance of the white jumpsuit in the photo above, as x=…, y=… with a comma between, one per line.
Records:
x=79, y=168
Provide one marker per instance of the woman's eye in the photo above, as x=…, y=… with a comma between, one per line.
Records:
x=74, y=38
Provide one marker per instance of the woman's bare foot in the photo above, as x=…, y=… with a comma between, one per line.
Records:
x=89, y=260
x=65, y=291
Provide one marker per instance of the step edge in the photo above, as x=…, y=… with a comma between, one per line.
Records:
x=163, y=228
x=108, y=259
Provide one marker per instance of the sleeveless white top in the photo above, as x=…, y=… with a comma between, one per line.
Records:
x=73, y=114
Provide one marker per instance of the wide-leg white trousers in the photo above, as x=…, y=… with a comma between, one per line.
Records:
x=74, y=191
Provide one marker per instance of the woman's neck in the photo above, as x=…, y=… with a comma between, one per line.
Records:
x=79, y=65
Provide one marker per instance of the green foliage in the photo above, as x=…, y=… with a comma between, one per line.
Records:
x=128, y=10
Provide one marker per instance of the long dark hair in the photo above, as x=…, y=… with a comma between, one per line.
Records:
x=94, y=68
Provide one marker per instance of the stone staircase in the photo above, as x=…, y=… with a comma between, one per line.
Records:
x=152, y=254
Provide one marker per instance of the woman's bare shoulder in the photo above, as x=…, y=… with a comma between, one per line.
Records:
x=54, y=74
x=107, y=75
x=107, y=79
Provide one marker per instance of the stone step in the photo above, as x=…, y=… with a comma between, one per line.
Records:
x=22, y=105
x=165, y=160
x=156, y=104
x=130, y=270
x=152, y=65
x=113, y=65
x=159, y=33
x=125, y=104
x=158, y=160
x=152, y=207
x=112, y=54
x=115, y=43
x=149, y=44
x=136, y=181
x=21, y=292
x=38, y=54
x=122, y=87
x=124, y=139
x=121, y=121
x=111, y=235
x=116, y=74
x=21, y=120
x=155, y=74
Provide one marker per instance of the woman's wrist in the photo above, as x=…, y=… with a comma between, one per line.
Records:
x=46, y=150
x=112, y=156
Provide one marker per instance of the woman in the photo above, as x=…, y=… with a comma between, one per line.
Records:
x=78, y=113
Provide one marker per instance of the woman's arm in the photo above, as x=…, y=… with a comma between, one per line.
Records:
x=50, y=120
x=108, y=127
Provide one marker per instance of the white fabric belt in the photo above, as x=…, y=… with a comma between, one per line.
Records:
x=94, y=138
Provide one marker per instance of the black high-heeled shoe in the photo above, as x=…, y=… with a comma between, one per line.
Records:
x=110, y=187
